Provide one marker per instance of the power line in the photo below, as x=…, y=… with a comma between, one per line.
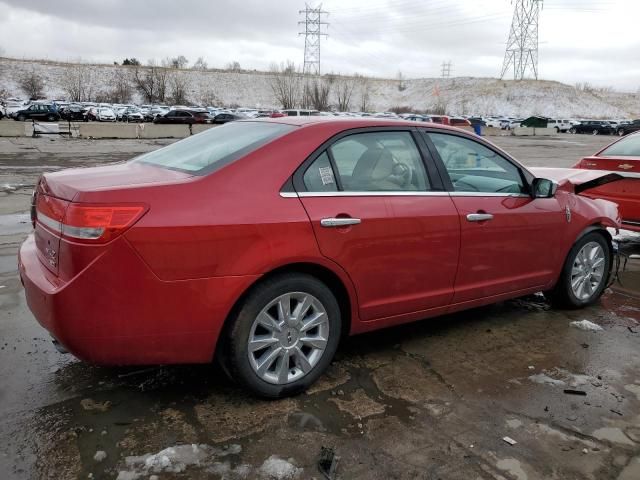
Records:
x=522, y=46
x=313, y=26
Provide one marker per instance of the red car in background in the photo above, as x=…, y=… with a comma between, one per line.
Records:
x=263, y=242
x=623, y=158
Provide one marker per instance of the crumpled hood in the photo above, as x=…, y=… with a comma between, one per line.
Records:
x=579, y=180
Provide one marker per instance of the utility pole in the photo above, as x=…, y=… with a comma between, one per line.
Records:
x=446, y=69
x=521, y=54
x=313, y=31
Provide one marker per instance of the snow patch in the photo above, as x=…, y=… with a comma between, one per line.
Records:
x=587, y=326
x=276, y=468
x=100, y=455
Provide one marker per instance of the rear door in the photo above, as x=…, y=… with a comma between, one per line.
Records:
x=505, y=232
x=380, y=213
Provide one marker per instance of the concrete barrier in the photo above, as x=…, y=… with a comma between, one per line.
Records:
x=494, y=132
x=11, y=128
x=540, y=132
x=107, y=130
x=201, y=128
x=524, y=131
x=152, y=130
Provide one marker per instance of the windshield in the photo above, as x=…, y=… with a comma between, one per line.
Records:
x=216, y=147
x=628, y=147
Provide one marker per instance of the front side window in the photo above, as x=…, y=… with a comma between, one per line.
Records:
x=472, y=167
x=628, y=147
x=216, y=147
x=378, y=162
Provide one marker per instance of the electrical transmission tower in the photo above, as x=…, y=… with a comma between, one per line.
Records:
x=446, y=69
x=522, y=47
x=313, y=26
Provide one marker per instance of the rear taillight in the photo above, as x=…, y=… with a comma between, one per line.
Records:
x=90, y=223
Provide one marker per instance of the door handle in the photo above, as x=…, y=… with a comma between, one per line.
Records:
x=479, y=217
x=339, y=222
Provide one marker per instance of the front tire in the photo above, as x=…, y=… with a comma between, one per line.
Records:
x=572, y=130
x=621, y=133
x=584, y=274
x=595, y=132
x=283, y=336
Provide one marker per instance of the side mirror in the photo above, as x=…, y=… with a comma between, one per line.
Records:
x=543, y=188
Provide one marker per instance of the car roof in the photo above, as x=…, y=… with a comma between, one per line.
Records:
x=349, y=122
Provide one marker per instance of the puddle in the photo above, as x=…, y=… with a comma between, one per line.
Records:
x=13, y=223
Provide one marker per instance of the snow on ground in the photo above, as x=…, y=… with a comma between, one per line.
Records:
x=179, y=458
x=461, y=95
x=587, y=326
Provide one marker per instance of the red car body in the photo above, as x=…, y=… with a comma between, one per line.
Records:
x=626, y=191
x=182, y=250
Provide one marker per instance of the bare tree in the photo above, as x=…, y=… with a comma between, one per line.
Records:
x=344, y=90
x=179, y=85
x=179, y=62
x=401, y=85
x=364, y=92
x=145, y=81
x=286, y=84
x=208, y=97
x=200, y=64
x=120, y=89
x=78, y=83
x=316, y=93
x=32, y=85
x=233, y=66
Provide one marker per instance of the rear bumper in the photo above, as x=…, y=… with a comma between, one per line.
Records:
x=117, y=312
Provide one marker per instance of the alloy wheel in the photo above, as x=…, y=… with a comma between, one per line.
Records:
x=288, y=338
x=587, y=272
x=595, y=132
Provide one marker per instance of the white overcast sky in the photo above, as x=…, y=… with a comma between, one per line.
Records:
x=594, y=41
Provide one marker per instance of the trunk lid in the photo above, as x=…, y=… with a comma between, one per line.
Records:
x=68, y=184
x=613, y=164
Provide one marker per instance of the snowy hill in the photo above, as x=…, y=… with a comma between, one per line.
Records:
x=482, y=96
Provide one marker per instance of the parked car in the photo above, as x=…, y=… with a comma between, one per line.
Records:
x=188, y=117
x=91, y=114
x=459, y=122
x=363, y=224
x=72, y=113
x=417, y=118
x=594, y=127
x=227, y=117
x=623, y=158
x=38, y=111
x=295, y=112
x=441, y=119
x=626, y=128
x=105, y=115
x=560, y=125
x=511, y=124
x=131, y=114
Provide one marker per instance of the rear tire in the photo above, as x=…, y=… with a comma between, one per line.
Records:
x=585, y=273
x=595, y=132
x=21, y=118
x=572, y=130
x=620, y=133
x=275, y=354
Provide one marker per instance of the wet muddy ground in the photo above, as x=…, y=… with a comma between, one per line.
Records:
x=431, y=400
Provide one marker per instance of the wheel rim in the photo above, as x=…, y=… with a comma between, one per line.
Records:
x=595, y=132
x=587, y=272
x=288, y=338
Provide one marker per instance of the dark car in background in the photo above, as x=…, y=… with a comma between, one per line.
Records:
x=72, y=112
x=184, y=117
x=594, y=127
x=131, y=114
x=38, y=111
x=626, y=128
x=227, y=117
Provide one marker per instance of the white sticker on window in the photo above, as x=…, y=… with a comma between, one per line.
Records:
x=326, y=175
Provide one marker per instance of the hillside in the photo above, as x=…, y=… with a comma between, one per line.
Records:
x=486, y=96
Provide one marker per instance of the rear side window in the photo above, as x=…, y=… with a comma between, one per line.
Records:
x=369, y=162
x=216, y=147
x=627, y=147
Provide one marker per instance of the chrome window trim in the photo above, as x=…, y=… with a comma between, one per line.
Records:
x=401, y=194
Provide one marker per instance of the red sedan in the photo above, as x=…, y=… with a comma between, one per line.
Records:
x=263, y=242
x=623, y=158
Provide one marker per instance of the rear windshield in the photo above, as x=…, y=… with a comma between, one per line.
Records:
x=627, y=147
x=216, y=147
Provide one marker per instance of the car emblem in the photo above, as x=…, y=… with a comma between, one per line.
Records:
x=625, y=166
x=567, y=213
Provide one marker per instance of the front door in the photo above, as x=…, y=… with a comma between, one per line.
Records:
x=375, y=212
x=505, y=233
